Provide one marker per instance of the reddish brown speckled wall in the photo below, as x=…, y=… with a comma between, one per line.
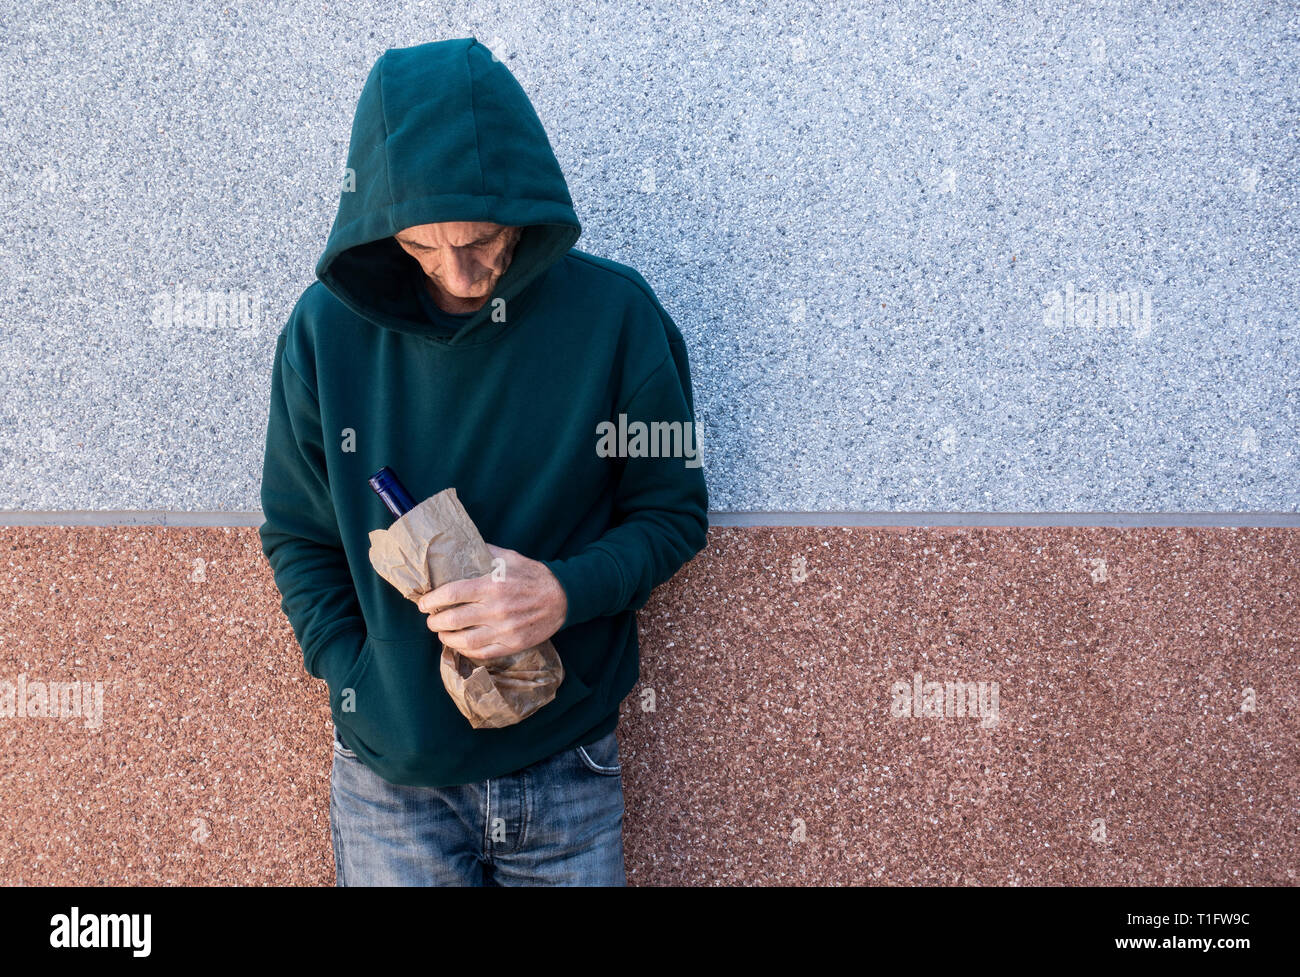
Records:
x=761, y=745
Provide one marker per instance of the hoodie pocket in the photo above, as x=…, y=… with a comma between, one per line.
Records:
x=345, y=694
x=403, y=712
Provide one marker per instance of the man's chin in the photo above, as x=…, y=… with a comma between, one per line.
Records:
x=477, y=293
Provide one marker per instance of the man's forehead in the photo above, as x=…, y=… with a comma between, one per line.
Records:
x=449, y=233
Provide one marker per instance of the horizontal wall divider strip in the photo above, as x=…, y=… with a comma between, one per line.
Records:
x=917, y=520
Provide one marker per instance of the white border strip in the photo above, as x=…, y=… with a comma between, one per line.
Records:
x=918, y=520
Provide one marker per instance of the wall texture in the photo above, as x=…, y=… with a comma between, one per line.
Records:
x=1020, y=259
x=761, y=745
x=857, y=217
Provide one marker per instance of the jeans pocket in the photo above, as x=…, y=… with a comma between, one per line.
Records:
x=602, y=756
x=342, y=750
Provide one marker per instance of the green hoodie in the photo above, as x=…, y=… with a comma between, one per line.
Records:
x=503, y=404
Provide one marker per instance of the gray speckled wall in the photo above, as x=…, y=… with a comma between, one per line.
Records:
x=875, y=226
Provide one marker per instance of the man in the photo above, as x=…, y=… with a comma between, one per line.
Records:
x=456, y=335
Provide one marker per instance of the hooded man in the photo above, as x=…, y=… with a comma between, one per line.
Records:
x=458, y=336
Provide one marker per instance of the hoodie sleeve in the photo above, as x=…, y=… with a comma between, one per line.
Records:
x=300, y=535
x=660, y=508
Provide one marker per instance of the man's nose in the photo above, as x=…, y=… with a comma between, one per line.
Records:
x=459, y=268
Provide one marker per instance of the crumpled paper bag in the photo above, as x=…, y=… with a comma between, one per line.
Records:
x=433, y=544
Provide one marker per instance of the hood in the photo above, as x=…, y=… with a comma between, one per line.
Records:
x=443, y=132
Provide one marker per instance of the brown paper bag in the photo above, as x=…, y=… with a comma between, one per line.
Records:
x=433, y=544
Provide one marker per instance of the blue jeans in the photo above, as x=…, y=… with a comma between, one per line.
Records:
x=556, y=822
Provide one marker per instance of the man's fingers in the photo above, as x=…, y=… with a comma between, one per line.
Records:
x=458, y=617
x=489, y=652
x=457, y=592
x=474, y=642
x=462, y=639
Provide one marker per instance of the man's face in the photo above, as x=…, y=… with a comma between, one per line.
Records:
x=462, y=260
